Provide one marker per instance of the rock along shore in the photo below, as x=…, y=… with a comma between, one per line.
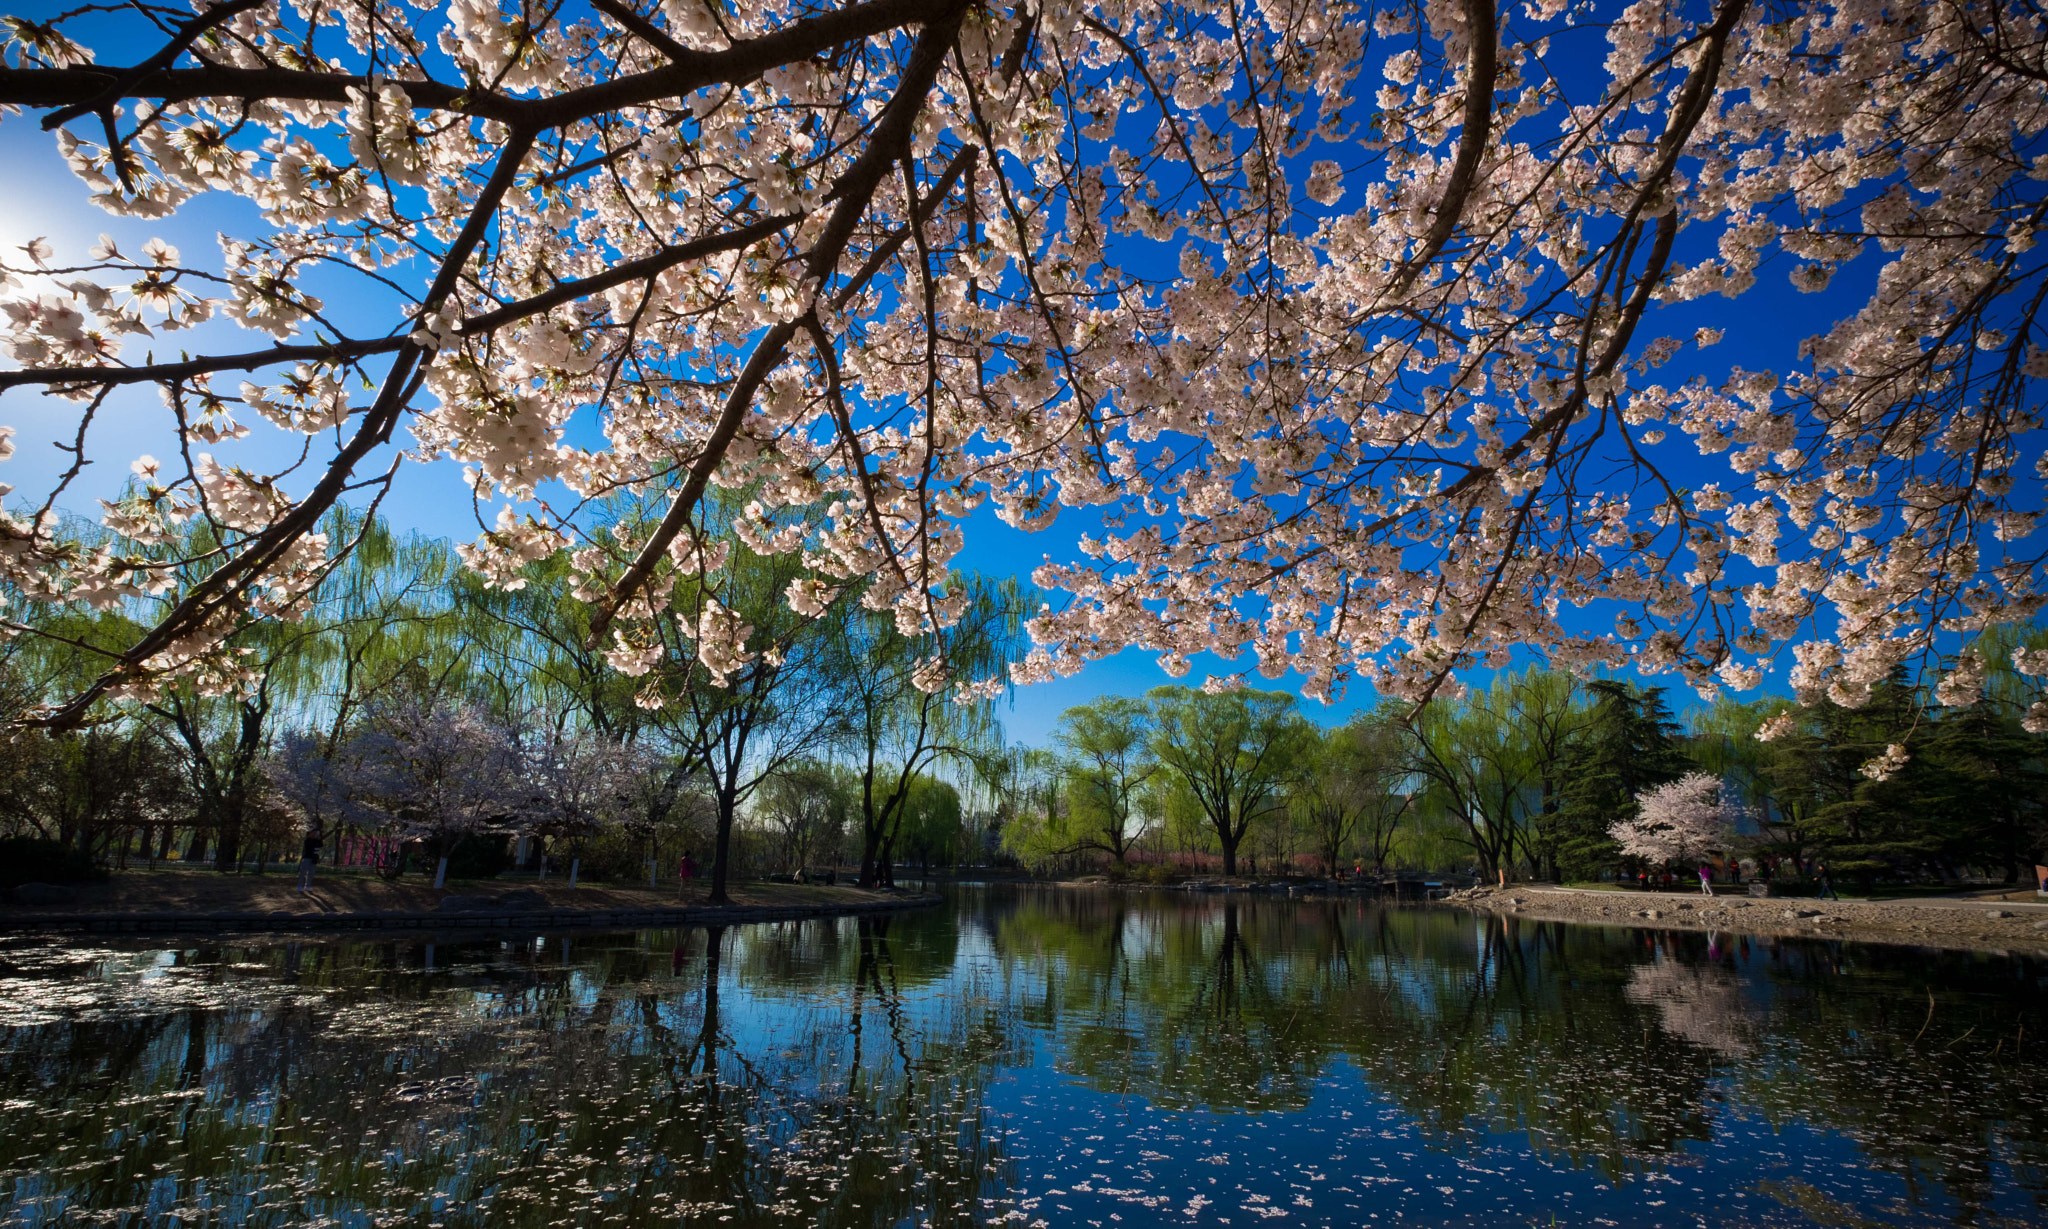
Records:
x=468, y=920
x=1950, y=922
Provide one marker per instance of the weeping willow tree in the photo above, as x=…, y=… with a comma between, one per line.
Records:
x=1489, y=764
x=380, y=619
x=1030, y=787
x=390, y=616
x=742, y=675
x=191, y=753
x=907, y=710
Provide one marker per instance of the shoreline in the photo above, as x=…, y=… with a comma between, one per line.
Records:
x=1945, y=922
x=199, y=902
x=417, y=923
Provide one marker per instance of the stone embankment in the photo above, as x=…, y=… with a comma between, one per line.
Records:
x=1954, y=922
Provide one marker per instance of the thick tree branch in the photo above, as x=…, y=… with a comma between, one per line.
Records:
x=743, y=61
x=229, y=581
x=1482, y=30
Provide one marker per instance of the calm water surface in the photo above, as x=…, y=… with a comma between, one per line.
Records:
x=1030, y=1056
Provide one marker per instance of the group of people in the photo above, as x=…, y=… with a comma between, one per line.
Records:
x=1812, y=869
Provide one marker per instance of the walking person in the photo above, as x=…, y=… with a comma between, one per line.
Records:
x=1827, y=883
x=686, y=870
x=309, y=858
x=1706, y=879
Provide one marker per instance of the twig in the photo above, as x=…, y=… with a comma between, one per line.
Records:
x=1929, y=1020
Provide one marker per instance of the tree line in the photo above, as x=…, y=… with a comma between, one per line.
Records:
x=1543, y=774
x=452, y=718
x=411, y=707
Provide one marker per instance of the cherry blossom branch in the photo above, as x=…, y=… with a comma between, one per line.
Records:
x=891, y=134
x=227, y=582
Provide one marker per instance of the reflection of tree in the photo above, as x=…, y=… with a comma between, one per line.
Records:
x=1701, y=1003
x=517, y=1090
x=1937, y=1097
x=1183, y=1007
x=834, y=1072
x=1602, y=1047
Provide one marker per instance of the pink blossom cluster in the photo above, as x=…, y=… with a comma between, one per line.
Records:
x=1689, y=818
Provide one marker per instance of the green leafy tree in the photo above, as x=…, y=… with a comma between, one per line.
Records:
x=1348, y=790
x=905, y=710
x=738, y=722
x=1489, y=765
x=1109, y=750
x=1030, y=788
x=807, y=805
x=1231, y=753
x=930, y=829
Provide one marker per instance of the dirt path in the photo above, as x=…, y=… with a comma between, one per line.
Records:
x=1957, y=922
x=205, y=891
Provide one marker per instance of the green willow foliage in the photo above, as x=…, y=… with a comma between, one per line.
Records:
x=837, y=732
x=626, y=773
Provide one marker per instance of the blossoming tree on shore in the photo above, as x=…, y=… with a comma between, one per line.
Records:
x=1688, y=819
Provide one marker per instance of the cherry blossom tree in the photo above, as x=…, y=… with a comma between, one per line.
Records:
x=439, y=773
x=577, y=783
x=316, y=780
x=1689, y=818
x=1364, y=334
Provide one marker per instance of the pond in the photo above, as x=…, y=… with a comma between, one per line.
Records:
x=1026, y=1055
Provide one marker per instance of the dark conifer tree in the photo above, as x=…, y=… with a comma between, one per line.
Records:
x=1629, y=744
x=1988, y=774
x=1868, y=828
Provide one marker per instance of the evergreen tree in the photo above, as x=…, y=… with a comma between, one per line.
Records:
x=1988, y=772
x=1868, y=823
x=1629, y=745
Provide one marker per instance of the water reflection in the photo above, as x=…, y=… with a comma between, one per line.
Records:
x=1039, y=1055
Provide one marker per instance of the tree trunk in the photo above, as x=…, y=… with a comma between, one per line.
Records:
x=228, y=849
x=1229, y=854
x=871, y=853
x=707, y=1034
x=721, y=851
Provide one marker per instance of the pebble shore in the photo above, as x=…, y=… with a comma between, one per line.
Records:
x=1948, y=922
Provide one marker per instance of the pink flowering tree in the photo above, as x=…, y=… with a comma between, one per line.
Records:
x=577, y=785
x=317, y=782
x=1688, y=819
x=440, y=773
x=1369, y=344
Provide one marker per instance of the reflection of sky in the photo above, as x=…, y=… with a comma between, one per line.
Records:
x=544, y=1031
x=1354, y=1155
x=42, y=199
